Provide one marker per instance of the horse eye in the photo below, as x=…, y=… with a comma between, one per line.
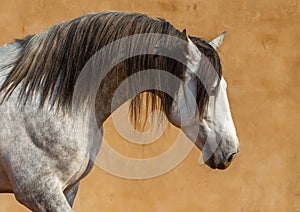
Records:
x=213, y=92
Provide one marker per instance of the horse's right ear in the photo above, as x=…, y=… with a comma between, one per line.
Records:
x=164, y=45
x=216, y=43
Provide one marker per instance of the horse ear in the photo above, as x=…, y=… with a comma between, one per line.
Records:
x=217, y=41
x=184, y=35
x=163, y=42
x=193, y=51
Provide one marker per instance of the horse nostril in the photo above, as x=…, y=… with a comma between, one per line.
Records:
x=231, y=157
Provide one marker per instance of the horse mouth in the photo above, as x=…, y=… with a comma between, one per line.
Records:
x=212, y=163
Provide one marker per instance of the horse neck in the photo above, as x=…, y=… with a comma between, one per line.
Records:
x=105, y=95
x=110, y=95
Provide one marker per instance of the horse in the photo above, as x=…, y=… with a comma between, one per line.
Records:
x=48, y=140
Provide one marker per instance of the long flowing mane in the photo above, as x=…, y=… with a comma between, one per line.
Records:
x=50, y=62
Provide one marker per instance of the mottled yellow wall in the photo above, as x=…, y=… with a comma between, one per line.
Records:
x=260, y=57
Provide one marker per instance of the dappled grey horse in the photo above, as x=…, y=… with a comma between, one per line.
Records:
x=48, y=140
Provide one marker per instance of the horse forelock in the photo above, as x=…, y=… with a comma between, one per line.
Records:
x=50, y=62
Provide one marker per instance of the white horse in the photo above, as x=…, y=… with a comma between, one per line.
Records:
x=46, y=146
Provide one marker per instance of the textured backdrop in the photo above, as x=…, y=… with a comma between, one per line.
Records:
x=260, y=57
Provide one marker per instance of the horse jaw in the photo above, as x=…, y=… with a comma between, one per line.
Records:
x=216, y=43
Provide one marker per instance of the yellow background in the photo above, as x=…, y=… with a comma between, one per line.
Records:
x=261, y=60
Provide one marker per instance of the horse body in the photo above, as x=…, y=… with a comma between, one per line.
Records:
x=40, y=145
x=45, y=152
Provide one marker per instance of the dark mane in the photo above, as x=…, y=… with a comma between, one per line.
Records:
x=51, y=61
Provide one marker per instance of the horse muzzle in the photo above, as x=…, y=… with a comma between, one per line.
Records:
x=215, y=164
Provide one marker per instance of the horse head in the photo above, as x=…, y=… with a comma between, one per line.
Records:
x=212, y=129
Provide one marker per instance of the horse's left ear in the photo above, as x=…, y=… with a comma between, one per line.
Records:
x=216, y=43
x=184, y=35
